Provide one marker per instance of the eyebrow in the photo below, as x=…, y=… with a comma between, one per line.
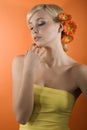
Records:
x=36, y=20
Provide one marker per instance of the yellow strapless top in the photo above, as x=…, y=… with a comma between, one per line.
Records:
x=52, y=109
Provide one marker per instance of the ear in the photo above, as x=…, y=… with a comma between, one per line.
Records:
x=60, y=29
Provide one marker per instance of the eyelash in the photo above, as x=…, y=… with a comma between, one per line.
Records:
x=41, y=24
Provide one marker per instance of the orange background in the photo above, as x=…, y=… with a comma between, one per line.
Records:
x=15, y=39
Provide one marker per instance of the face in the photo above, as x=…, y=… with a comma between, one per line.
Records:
x=43, y=29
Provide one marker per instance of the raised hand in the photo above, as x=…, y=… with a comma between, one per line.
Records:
x=35, y=55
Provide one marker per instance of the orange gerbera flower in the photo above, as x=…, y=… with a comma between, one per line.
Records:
x=70, y=27
x=67, y=39
x=64, y=17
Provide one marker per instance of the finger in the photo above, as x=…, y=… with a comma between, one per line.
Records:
x=37, y=50
x=33, y=47
x=42, y=50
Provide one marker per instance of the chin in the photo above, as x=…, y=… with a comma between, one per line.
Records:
x=39, y=44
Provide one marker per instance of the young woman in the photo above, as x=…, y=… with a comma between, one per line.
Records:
x=46, y=81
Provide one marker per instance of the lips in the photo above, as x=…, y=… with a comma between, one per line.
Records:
x=36, y=38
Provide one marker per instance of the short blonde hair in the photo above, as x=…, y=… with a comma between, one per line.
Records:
x=52, y=9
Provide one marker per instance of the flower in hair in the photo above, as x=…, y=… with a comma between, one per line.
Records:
x=64, y=17
x=69, y=27
x=67, y=39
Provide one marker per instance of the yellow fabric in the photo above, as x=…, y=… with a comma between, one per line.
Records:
x=52, y=109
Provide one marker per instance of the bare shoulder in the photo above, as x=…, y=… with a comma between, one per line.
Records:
x=82, y=69
x=18, y=60
x=80, y=72
x=79, y=69
x=17, y=64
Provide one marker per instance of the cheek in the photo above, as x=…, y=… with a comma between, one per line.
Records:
x=51, y=33
x=50, y=30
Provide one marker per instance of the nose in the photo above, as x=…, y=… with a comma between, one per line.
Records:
x=35, y=30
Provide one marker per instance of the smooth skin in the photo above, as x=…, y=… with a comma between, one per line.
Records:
x=45, y=64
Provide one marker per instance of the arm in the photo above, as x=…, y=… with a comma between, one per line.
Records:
x=22, y=89
x=23, y=69
x=82, y=79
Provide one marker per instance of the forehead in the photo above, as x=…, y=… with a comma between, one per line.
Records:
x=40, y=14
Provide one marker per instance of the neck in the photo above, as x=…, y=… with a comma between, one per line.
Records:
x=56, y=55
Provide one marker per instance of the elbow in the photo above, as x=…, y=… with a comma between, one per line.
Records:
x=23, y=118
x=22, y=113
x=21, y=121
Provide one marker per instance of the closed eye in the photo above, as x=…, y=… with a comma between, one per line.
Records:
x=41, y=23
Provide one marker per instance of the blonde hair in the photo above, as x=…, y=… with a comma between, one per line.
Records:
x=52, y=9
